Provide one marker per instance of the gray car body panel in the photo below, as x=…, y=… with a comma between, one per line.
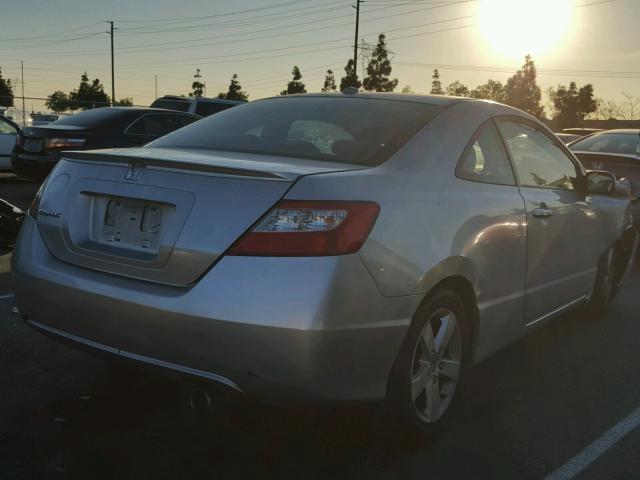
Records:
x=327, y=329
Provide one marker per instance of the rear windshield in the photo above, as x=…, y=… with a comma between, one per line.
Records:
x=179, y=105
x=360, y=131
x=627, y=143
x=90, y=118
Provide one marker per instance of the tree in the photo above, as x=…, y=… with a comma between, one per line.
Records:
x=6, y=92
x=607, y=109
x=197, y=87
x=631, y=107
x=458, y=89
x=436, y=85
x=522, y=91
x=295, y=85
x=407, y=89
x=351, y=77
x=492, y=90
x=572, y=105
x=58, y=101
x=88, y=94
x=379, y=69
x=329, y=82
x=124, y=102
x=234, y=92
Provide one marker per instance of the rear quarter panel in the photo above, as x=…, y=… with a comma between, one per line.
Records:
x=433, y=226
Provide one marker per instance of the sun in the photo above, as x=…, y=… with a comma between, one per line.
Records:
x=515, y=28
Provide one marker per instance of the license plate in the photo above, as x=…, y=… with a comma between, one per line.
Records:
x=33, y=144
x=132, y=223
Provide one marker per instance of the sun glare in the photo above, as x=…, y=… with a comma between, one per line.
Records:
x=515, y=28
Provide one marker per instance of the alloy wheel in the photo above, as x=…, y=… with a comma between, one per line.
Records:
x=436, y=364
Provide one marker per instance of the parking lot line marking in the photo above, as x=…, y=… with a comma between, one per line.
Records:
x=599, y=446
x=5, y=297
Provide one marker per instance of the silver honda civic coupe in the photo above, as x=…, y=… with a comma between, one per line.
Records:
x=325, y=249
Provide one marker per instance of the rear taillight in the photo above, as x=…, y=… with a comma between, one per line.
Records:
x=64, y=143
x=309, y=228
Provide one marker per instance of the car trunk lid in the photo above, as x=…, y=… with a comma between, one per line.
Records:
x=160, y=215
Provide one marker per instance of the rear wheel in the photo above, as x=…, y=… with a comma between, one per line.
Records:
x=425, y=379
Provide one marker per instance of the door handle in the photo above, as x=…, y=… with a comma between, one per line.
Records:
x=542, y=212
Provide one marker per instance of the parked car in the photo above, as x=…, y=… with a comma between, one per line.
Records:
x=40, y=119
x=582, y=131
x=325, y=249
x=18, y=116
x=199, y=105
x=617, y=151
x=8, y=139
x=567, y=138
x=10, y=220
x=39, y=148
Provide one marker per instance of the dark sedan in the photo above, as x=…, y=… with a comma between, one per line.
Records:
x=39, y=148
x=617, y=151
x=10, y=220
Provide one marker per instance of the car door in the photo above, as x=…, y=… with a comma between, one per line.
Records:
x=8, y=138
x=562, y=227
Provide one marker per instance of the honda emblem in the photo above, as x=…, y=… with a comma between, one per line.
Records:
x=134, y=171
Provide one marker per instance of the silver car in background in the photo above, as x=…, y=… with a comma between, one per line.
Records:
x=325, y=249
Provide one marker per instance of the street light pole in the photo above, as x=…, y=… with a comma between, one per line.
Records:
x=113, y=81
x=355, y=42
x=24, y=110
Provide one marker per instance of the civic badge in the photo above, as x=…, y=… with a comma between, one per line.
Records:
x=134, y=171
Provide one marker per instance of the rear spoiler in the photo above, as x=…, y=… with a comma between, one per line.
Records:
x=169, y=163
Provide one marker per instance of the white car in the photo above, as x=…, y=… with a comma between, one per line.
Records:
x=18, y=116
x=8, y=138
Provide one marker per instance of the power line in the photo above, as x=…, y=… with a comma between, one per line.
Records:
x=541, y=71
x=141, y=48
x=237, y=12
x=49, y=35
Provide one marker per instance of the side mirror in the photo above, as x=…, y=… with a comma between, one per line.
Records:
x=600, y=182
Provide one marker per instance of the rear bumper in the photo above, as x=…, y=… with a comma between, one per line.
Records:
x=291, y=331
x=33, y=165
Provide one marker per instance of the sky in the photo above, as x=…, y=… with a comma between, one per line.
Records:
x=587, y=41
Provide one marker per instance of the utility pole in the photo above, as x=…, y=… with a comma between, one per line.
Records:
x=355, y=42
x=156, y=78
x=113, y=81
x=24, y=110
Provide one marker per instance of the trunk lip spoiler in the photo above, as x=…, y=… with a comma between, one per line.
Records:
x=171, y=164
x=223, y=165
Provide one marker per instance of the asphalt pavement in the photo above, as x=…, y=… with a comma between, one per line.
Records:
x=561, y=403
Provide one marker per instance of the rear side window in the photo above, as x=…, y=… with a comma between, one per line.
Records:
x=363, y=131
x=204, y=109
x=485, y=159
x=179, y=105
x=157, y=124
x=537, y=159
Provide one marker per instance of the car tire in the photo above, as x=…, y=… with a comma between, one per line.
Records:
x=605, y=287
x=426, y=377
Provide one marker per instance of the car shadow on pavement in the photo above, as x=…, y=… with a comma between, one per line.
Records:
x=140, y=427
x=136, y=425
